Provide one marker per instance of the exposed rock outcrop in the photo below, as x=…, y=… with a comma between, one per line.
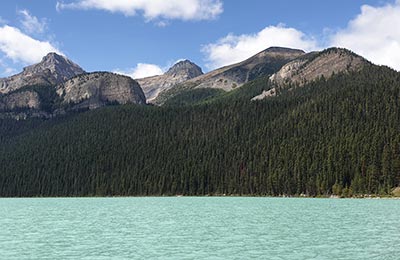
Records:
x=53, y=69
x=97, y=89
x=265, y=94
x=318, y=64
x=20, y=100
x=180, y=72
x=312, y=66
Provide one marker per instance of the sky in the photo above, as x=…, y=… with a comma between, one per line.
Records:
x=145, y=37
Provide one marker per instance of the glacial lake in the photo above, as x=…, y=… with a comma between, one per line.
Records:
x=199, y=228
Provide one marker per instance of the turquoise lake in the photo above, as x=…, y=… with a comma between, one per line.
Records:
x=199, y=228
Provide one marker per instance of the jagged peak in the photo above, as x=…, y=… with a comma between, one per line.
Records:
x=56, y=62
x=185, y=66
x=53, y=56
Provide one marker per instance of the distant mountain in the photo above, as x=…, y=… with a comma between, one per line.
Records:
x=231, y=77
x=180, y=72
x=53, y=69
x=94, y=90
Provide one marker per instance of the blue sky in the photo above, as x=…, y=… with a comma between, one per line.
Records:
x=145, y=37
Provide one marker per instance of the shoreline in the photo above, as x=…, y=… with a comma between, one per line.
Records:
x=367, y=197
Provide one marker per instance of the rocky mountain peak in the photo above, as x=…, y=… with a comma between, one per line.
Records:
x=52, y=70
x=60, y=67
x=185, y=68
x=182, y=71
x=53, y=57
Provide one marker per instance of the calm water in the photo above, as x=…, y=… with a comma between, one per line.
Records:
x=199, y=228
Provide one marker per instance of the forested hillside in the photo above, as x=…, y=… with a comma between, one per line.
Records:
x=340, y=136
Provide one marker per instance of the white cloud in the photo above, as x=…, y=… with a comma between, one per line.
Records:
x=31, y=24
x=22, y=48
x=142, y=70
x=236, y=48
x=374, y=34
x=153, y=9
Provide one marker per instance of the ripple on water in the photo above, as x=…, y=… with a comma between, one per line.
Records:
x=199, y=228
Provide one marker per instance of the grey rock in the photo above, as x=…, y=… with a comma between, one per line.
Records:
x=20, y=100
x=314, y=65
x=230, y=77
x=53, y=69
x=233, y=76
x=98, y=89
x=180, y=72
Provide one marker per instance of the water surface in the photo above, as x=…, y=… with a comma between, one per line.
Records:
x=199, y=228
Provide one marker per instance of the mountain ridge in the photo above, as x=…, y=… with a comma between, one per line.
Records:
x=283, y=66
x=233, y=76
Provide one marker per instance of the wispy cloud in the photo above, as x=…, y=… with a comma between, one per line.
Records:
x=153, y=9
x=31, y=24
x=20, y=47
x=234, y=48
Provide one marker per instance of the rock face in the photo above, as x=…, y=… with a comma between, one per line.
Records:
x=230, y=77
x=233, y=76
x=180, y=72
x=20, y=100
x=312, y=66
x=185, y=70
x=317, y=64
x=98, y=89
x=53, y=69
x=265, y=94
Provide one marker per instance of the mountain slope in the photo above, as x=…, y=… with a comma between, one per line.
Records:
x=313, y=66
x=332, y=136
x=230, y=77
x=53, y=69
x=180, y=72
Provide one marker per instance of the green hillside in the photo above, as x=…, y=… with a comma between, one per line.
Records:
x=340, y=136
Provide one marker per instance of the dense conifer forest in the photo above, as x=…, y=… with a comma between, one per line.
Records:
x=339, y=136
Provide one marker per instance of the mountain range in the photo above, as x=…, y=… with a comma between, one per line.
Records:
x=283, y=122
x=57, y=85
